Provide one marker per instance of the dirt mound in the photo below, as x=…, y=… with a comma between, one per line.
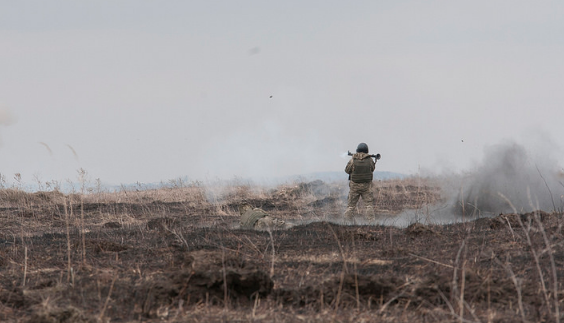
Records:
x=345, y=289
x=417, y=229
x=211, y=277
x=112, y=225
x=512, y=219
x=438, y=289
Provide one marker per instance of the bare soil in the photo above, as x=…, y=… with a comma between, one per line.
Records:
x=177, y=255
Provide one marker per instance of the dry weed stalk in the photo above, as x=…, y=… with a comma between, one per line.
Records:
x=101, y=317
x=273, y=253
x=517, y=282
x=454, y=279
x=25, y=267
x=225, y=294
x=550, y=252
x=533, y=252
x=536, y=256
x=69, y=266
x=552, y=267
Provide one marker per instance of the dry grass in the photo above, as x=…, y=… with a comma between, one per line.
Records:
x=175, y=254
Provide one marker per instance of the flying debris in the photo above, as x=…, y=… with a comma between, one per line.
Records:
x=254, y=51
x=73, y=152
x=48, y=148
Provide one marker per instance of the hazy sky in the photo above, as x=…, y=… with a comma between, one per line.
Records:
x=149, y=91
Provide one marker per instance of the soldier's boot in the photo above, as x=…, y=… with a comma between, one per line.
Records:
x=349, y=215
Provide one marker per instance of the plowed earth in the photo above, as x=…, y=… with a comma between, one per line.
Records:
x=150, y=259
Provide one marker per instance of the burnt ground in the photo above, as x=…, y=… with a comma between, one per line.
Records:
x=173, y=255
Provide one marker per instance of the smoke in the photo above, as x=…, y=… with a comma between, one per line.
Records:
x=512, y=177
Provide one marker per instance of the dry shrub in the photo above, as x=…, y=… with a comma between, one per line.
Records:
x=192, y=195
x=19, y=197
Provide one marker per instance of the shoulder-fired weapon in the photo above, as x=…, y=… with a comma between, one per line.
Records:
x=377, y=156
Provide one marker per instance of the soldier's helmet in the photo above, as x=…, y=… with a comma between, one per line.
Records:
x=362, y=148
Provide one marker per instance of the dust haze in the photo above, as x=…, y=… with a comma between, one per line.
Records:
x=511, y=177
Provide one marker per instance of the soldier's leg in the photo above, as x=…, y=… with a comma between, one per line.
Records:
x=354, y=195
x=368, y=198
x=269, y=223
x=264, y=223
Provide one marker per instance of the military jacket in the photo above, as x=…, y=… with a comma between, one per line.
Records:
x=250, y=218
x=361, y=168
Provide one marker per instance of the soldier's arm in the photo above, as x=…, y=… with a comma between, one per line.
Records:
x=349, y=167
x=372, y=165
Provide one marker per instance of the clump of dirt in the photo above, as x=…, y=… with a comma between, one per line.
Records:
x=364, y=235
x=112, y=225
x=417, y=229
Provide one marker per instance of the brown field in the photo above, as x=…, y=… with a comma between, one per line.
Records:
x=176, y=254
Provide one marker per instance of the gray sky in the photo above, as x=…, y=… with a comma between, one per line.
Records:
x=148, y=91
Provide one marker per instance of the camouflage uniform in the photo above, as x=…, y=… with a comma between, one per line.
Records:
x=360, y=169
x=254, y=218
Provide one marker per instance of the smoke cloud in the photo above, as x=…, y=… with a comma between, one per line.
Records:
x=513, y=177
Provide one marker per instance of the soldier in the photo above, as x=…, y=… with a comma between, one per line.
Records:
x=361, y=172
x=255, y=218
